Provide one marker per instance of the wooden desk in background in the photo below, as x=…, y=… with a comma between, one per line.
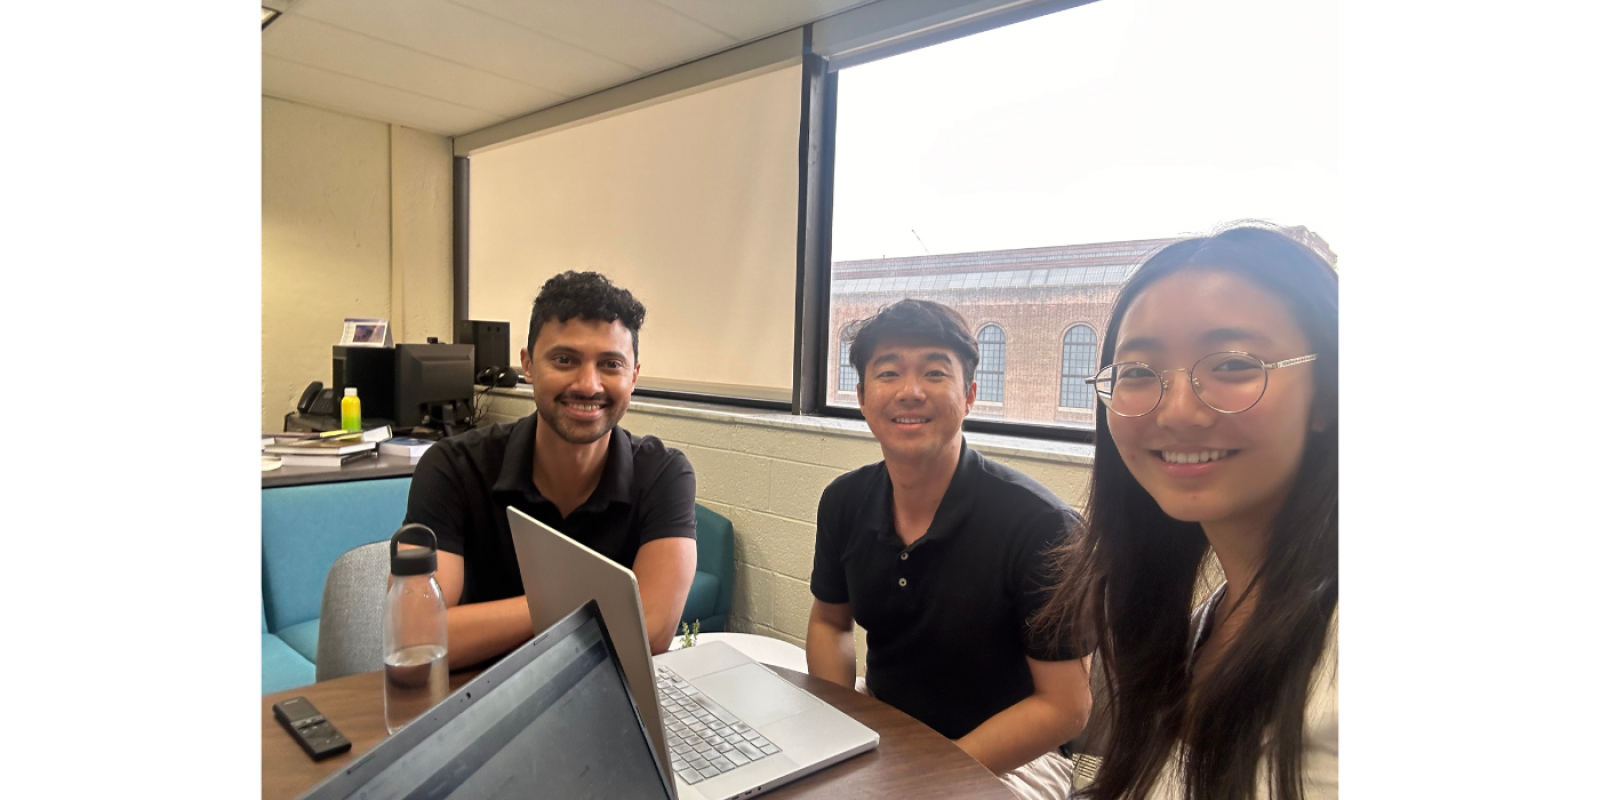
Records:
x=911, y=760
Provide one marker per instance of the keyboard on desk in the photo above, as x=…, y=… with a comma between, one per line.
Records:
x=706, y=740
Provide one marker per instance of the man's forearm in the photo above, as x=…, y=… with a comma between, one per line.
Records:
x=480, y=631
x=831, y=653
x=659, y=626
x=1021, y=733
x=665, y=571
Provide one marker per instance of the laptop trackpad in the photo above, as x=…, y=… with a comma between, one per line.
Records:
x=755, y=695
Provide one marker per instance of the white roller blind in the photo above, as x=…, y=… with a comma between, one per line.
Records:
x=689, y=203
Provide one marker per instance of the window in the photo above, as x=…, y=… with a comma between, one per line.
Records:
x=848, y=379
x=681, y=201
x=991, y=364
x=1077, y=363
x=1019, y=175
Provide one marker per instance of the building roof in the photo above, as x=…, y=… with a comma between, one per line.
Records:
x=1018, y=278
x=1060, y=265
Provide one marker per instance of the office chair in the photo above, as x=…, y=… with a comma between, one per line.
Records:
x=350, y=638
x=1088, y=749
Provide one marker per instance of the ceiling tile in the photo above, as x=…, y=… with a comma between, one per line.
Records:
x=639, y=33
x=316, y=44
x=287, y=80
x=471, y=38
x=746, y=20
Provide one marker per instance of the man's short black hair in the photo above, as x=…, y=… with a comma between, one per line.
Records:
x=920, y=321
x=586, y=295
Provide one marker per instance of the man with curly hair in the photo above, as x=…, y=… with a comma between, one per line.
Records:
x=630, y=498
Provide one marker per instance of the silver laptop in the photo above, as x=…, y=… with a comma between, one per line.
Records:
x=729, y=726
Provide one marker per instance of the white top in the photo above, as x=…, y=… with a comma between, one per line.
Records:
x=1319, y=763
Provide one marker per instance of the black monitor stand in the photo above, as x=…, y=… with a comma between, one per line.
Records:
x=433, y=384
x=447, y=418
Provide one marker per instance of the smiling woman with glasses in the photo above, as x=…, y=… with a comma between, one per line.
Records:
x=1234, y=382
x=1237, y=698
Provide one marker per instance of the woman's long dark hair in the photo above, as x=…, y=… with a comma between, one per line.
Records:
x=1131, y=577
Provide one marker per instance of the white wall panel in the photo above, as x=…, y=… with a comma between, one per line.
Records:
x=645, y=36
x=749, y=20
x=474, y=39
x=306, y=41
x=363, y=98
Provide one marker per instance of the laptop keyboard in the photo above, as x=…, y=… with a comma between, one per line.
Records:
x=705, y=739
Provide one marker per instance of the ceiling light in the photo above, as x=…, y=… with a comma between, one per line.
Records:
x=267, y=16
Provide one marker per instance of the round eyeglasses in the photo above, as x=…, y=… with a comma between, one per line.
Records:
x=1229, y=382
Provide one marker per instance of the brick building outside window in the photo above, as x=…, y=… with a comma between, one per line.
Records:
x=1042, y=311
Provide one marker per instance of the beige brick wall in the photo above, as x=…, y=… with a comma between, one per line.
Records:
x=765, y=473
x=355, y=222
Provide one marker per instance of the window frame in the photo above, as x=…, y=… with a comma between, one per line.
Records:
x=1000, y=375
x=812, y=331
x=1094, y=345
x=845, y=367
x=812, y=382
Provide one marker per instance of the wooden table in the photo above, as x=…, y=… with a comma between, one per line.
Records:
x=911, y=759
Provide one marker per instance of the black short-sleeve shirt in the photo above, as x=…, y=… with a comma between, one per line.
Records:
x=463, y=485
x=947, y=617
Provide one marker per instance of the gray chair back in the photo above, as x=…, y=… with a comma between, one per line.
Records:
x=1089, y=748
x=350, y=635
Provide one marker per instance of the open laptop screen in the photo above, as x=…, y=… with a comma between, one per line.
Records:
x=553, y=719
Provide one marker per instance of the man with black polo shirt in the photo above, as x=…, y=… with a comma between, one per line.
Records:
x=942, y=555
x=628, y=497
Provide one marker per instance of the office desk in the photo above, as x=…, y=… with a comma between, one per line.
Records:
x=366, y=469
x=911, y=759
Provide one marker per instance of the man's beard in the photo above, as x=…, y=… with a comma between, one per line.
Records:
x=576, y=432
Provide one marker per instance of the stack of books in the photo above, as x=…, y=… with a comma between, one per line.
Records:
x=328, y=449
x=405, y=447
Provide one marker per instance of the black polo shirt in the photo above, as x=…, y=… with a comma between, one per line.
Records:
x=463, y=485
x=947, y=617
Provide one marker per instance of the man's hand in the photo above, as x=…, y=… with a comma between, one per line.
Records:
x=831, y=643
x=665, y=570
x=1057, y=710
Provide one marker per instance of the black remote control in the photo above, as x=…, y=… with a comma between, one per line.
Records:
x=308, y=727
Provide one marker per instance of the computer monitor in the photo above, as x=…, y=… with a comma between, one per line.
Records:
x=371, y=371
x=433, y=380
x=554, y=718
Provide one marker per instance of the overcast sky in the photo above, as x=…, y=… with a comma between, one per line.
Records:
x=1121, y=119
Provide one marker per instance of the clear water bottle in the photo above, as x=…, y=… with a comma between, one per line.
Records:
x=416, y=665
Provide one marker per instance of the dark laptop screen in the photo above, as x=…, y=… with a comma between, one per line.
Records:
x=561, y=726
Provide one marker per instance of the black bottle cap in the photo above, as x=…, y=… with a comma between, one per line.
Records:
x=422, y=560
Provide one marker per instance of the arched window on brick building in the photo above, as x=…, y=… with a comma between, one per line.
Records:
x=991, y=364
x=1077, y=363
x=847, y=374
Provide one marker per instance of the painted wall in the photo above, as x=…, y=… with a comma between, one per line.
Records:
x=766, y=476
x=355, y=222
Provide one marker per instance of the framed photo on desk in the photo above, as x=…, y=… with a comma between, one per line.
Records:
x=366, y=333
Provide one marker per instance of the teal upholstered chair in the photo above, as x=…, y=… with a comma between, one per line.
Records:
x=711, y=595
x=304, y=529
x=281, y=667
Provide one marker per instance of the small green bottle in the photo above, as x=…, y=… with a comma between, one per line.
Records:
x=350, y=410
